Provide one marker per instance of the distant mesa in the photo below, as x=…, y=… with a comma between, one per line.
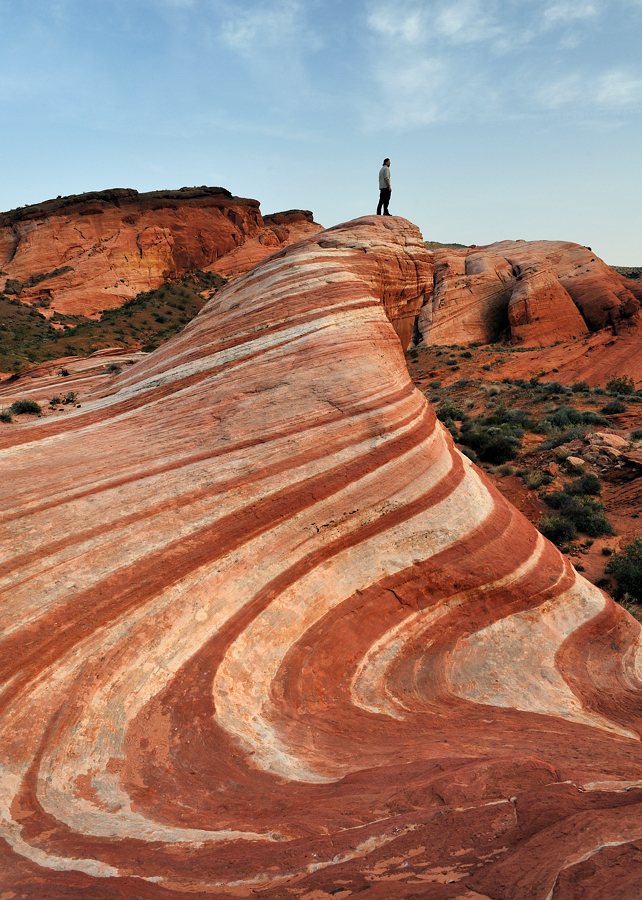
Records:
x=86, y=253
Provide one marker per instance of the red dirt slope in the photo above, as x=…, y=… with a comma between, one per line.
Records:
x=267, y=633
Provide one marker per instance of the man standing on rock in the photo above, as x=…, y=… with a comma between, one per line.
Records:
x=384, y=188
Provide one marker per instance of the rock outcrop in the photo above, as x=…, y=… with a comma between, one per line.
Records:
x=83, y=254
x=531, y=292
x=265, y=632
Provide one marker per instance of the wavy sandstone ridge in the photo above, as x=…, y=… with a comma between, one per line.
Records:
x=266, y=632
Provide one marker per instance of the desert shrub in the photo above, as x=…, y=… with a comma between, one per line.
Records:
x=451, y=362
x=599, y=390
x=550, y=387
x=486, y=367
x=448, y=411
x=506, y=470
x=585, y=484
x=563, y=437
x=533, y=479
x=626, y=566
x=466, y=354
x=591, y=418
x=491, y=444
x=25, y=406
x=114, y=368
x=435, y=385
x=636, y=435
x=583, y=512
x=612, y=407
x=557, y=529
x=55, y=401
x=607, y=551
x=70, y=398
x=620, y=384
x=5, y=416
x=580, y=387
x=470, y=453
x=64, y=372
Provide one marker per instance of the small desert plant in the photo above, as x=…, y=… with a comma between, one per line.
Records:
x=448, y=411
x=557, y=529
x=620, y=384
x=25, y=406
x=580, y=387
x=64, y=372
x=114, y=368
x=585, y=484
x=534, y=479
x=626, y=566
x=636, y=435
x=466, y=354
x=583, y=512
x=607, y=551
x=55, y=401
x=5, y=416
x=613, y=407
x=70, y=398
x=504, y=471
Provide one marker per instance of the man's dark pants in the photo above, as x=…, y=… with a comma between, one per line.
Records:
x=384, y=200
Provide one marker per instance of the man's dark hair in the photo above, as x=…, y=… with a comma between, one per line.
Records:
x=386, y=161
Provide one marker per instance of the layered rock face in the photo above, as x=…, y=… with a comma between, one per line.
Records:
x=533, y=292
x=86, y=253
x=267, y=633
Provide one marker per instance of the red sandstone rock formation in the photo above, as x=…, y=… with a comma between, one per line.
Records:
x=265, y=632
x=534, y=292
x=98, y=250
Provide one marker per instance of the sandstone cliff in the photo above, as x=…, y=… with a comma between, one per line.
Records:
x=531, y=292
x=86, y=253
x=265, y=632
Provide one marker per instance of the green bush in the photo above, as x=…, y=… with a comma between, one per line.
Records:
x=557, y=529
x=466, y=354
x=583, y=512
x=114, y=368
x=580, y=387
x=5, y=416
x=533, y=479
x=563, y=437
x=447, y=410
x=636, y=435
x=612, y=407
x=620, y=384
x=586, y=484
x=626, y=566
x=491, y=444
x=25, y=406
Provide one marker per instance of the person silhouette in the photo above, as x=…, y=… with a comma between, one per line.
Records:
x=384, y=188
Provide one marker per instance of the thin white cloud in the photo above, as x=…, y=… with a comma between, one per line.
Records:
x=571, y=10
x=616, y=89
x=407, y=26
x=245, y=29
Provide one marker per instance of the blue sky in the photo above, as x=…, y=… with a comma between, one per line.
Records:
x=503, y=120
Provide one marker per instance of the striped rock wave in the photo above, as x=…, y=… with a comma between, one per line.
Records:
x=266, y=632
